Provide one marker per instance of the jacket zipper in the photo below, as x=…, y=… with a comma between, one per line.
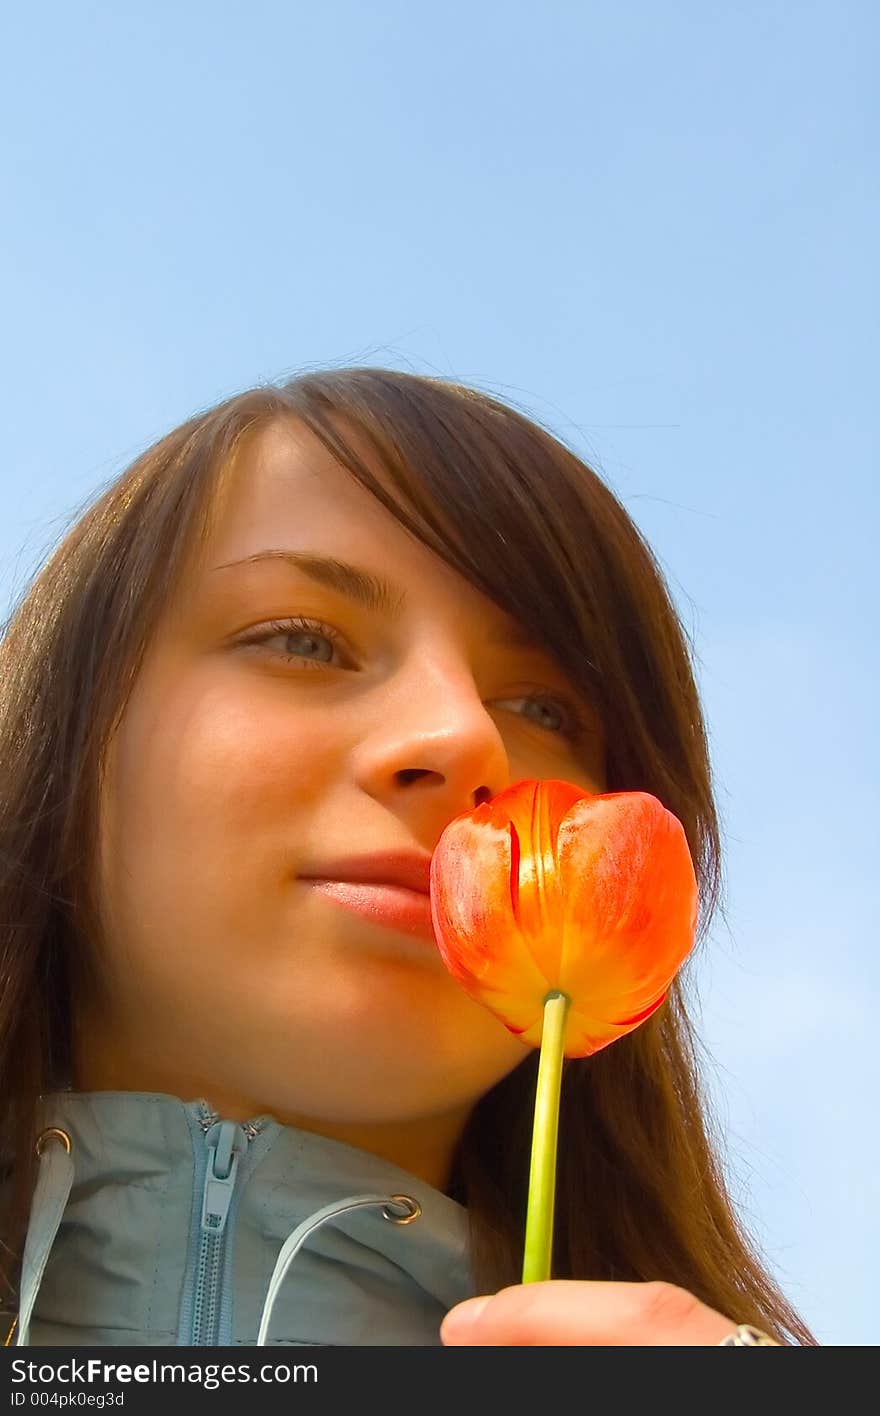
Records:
x=226, y=1144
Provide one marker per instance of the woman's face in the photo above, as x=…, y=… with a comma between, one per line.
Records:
x=239, y=766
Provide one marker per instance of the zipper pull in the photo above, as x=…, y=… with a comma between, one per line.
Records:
x=226, y=1140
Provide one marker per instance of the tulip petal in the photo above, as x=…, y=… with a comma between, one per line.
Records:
x=475, y=919
x=631, y=901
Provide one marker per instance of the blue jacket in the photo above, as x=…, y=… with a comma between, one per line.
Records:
x=165, y=1225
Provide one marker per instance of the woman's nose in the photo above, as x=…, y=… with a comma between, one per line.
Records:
x=435, y=730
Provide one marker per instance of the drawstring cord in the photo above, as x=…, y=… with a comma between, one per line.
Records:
x=47, y=1208
x=52, y=1192
x=294, y=1242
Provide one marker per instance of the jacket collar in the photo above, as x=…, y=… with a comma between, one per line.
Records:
x=167, y=1225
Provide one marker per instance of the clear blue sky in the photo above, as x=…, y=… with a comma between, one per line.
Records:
x=655, y=226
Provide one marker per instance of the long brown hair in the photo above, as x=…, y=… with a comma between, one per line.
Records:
x=641, y=1193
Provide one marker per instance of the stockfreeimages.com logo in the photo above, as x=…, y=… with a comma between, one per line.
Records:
x=211, y=1376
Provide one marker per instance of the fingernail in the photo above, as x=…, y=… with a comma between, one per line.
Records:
x=464, y=1314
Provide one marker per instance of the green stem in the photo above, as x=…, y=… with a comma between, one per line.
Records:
x=538, y=1253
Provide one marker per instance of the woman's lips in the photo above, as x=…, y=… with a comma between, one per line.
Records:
x=390, y=905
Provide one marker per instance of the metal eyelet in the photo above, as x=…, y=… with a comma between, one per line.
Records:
x=413, y=1207
x=46, y=1135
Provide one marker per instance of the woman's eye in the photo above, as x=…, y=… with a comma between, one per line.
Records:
x=306, y=634
x=568, y=721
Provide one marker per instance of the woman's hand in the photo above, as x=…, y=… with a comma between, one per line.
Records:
x=575, y=1313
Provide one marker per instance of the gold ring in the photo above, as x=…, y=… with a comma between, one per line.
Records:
x=747, y=1336
x=408, y=1203
x=56, y=1131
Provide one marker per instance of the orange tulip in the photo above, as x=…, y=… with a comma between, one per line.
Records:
x=567, y=914
x=548, y=887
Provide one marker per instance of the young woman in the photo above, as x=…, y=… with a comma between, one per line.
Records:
x=242, y=1103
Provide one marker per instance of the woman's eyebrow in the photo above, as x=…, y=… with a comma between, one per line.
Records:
x=358, y=584
x=369, y=590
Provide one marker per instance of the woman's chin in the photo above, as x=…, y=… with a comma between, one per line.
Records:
x=371, y=1076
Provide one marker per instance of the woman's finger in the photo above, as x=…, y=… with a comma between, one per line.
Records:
x=580, y=1313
